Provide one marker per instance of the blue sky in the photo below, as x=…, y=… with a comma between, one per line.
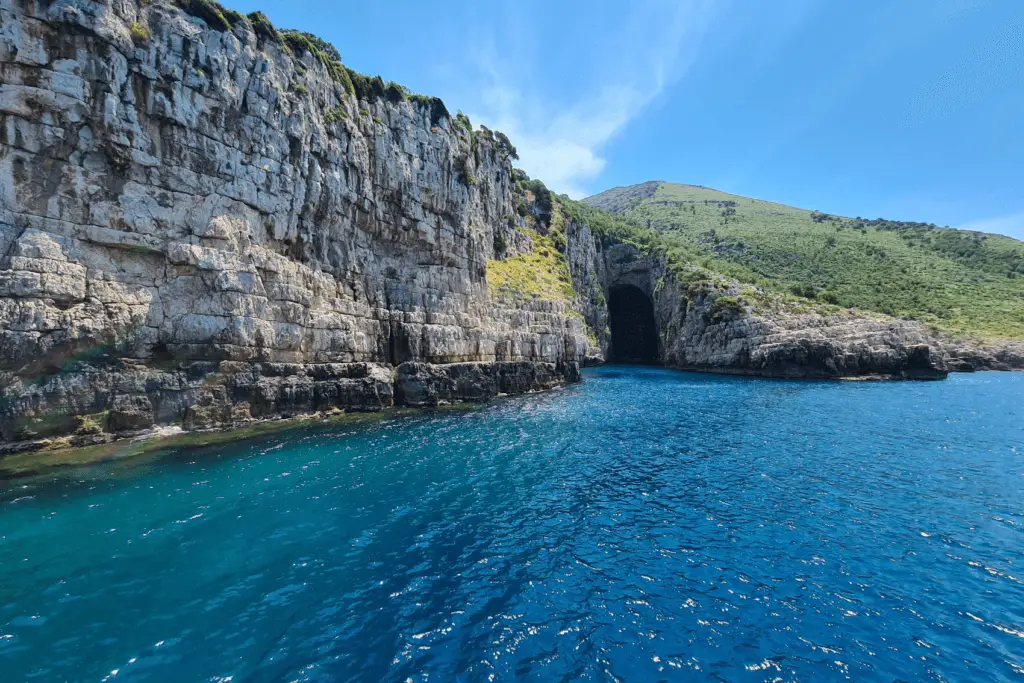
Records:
x=904, y=109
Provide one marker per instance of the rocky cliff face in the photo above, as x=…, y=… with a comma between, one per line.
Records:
x=720, y=326
x=202, y=225
x=711, y=327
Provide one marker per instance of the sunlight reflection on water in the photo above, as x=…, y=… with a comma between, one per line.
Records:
x=643, y=525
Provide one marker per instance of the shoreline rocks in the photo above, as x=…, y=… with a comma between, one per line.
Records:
x=91, y=407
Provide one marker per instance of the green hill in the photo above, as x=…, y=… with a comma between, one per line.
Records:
x=959, y=281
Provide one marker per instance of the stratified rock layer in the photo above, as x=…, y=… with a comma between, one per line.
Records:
x=424, y=384
x=199, y=227
x=204, y=228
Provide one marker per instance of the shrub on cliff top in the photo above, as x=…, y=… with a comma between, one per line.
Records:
x=213, y=13
x=396, y=92
x=301, y=42
x=506, y=145
x=367, y=87
x=234, y=17
x=263, y=28
x=437, y=109
x=374, y=87
x=519, y=177
x=541, y=199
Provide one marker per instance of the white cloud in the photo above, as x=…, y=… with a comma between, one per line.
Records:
x=1011, y=225
x=561, y=139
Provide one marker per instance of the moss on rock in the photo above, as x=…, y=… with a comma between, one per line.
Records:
x=542, y=273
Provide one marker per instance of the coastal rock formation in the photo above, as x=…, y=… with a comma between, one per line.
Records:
x=963, y=356
x=426, y=384
x=204, y=224
x=708, y=328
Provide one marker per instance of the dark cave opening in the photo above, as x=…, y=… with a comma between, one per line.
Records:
x=634, y=334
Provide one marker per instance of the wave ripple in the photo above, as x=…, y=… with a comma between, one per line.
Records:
x=646, y=525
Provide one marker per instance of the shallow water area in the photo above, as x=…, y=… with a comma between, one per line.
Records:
x=644, y=525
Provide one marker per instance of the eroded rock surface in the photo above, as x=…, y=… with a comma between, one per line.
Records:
x=202, y=227
x=702, y=328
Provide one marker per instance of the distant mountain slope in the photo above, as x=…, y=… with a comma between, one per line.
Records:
x=957, y=280
x=618, y=200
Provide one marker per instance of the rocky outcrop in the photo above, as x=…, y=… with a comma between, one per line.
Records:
x=803, y=346
x=968, y=356
x=711, y=327
x=424, y=384
x=204, y=226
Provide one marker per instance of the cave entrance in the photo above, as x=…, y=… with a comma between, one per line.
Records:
x=631, y=317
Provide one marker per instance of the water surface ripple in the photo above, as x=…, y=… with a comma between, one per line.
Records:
x=646, y=525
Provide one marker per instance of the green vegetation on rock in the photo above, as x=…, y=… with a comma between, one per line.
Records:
x=542, y=273
x=214, y=14
x=92, y=424
x=959, y=281
x=335, y=115
x=300, y=42
x=139, y=33
x=263, y=28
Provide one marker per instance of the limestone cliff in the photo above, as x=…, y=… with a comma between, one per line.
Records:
x=204, y=222
x=717, y=325
x=206, y=226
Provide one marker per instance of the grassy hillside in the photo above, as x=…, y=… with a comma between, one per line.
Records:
x=957, y=280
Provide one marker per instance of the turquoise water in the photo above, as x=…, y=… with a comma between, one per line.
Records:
x=646, y=525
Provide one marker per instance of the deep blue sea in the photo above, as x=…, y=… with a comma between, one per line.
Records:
x=645, y=525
